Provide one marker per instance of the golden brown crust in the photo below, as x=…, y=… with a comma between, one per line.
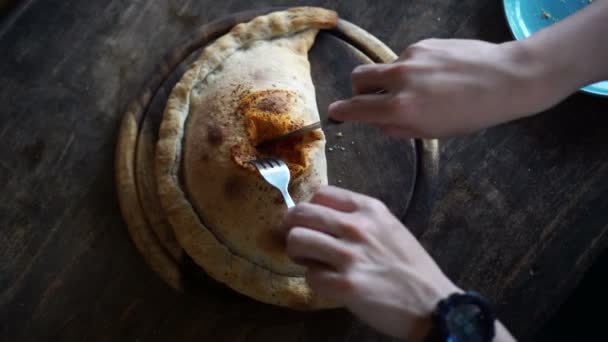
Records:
x=202, y=245
x=143, y=238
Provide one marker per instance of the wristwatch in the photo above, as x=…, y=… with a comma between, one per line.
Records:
x=463, y=317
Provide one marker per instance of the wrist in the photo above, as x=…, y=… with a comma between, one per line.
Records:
x=573, y=51
x=553, y=69
x=537, y=81
x=425, y=325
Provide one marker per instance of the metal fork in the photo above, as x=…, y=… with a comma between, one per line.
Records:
x=276, y=173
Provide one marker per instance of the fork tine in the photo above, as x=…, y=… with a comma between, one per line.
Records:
x=259, y=163
x=270, y=161
x=267, y=163
x=276, y=173
x=273, y=162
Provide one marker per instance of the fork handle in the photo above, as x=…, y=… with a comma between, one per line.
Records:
x=287, y=198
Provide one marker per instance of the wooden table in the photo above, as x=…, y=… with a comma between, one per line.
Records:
x=516, y=212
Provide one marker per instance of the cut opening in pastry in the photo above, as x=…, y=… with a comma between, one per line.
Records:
x=268, y=115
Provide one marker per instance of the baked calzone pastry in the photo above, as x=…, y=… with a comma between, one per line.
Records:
x=247, y=87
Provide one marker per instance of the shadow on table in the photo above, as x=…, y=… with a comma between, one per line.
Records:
x=7, y=5
x=582, y=315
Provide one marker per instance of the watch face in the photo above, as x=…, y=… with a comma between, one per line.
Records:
x=465, y=323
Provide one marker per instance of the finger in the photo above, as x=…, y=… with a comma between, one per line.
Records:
x=338, y=199
x=317, y=217
x=311, y=263
x=421, y=47
x=308, y=244
x=371, y=108
x=328, y=283
x=372, y=78
x=396, y=131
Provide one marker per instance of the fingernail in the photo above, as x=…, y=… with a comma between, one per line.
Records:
x=334, y=108
x=333, y=113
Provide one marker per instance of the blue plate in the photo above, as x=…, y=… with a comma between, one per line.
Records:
x=528, y=16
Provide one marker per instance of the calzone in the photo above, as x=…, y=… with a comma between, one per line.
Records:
x=247, y=87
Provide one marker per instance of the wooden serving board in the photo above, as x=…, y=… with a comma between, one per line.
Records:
x=358, y=155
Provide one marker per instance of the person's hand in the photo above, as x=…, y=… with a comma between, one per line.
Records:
x=360, y=255
x=445, y=87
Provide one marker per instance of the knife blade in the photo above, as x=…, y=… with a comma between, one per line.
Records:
x=299, y=131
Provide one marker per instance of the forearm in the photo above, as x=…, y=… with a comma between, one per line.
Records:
x=574, y=51
x=571, y=54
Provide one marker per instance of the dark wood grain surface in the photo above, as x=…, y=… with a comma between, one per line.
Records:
x=515, y=212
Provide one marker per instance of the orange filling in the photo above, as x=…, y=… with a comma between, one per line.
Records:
x=267, y=116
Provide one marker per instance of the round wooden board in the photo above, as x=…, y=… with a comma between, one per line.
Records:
x=359, y=157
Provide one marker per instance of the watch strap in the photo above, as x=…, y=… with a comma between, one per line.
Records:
x=440, y=331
